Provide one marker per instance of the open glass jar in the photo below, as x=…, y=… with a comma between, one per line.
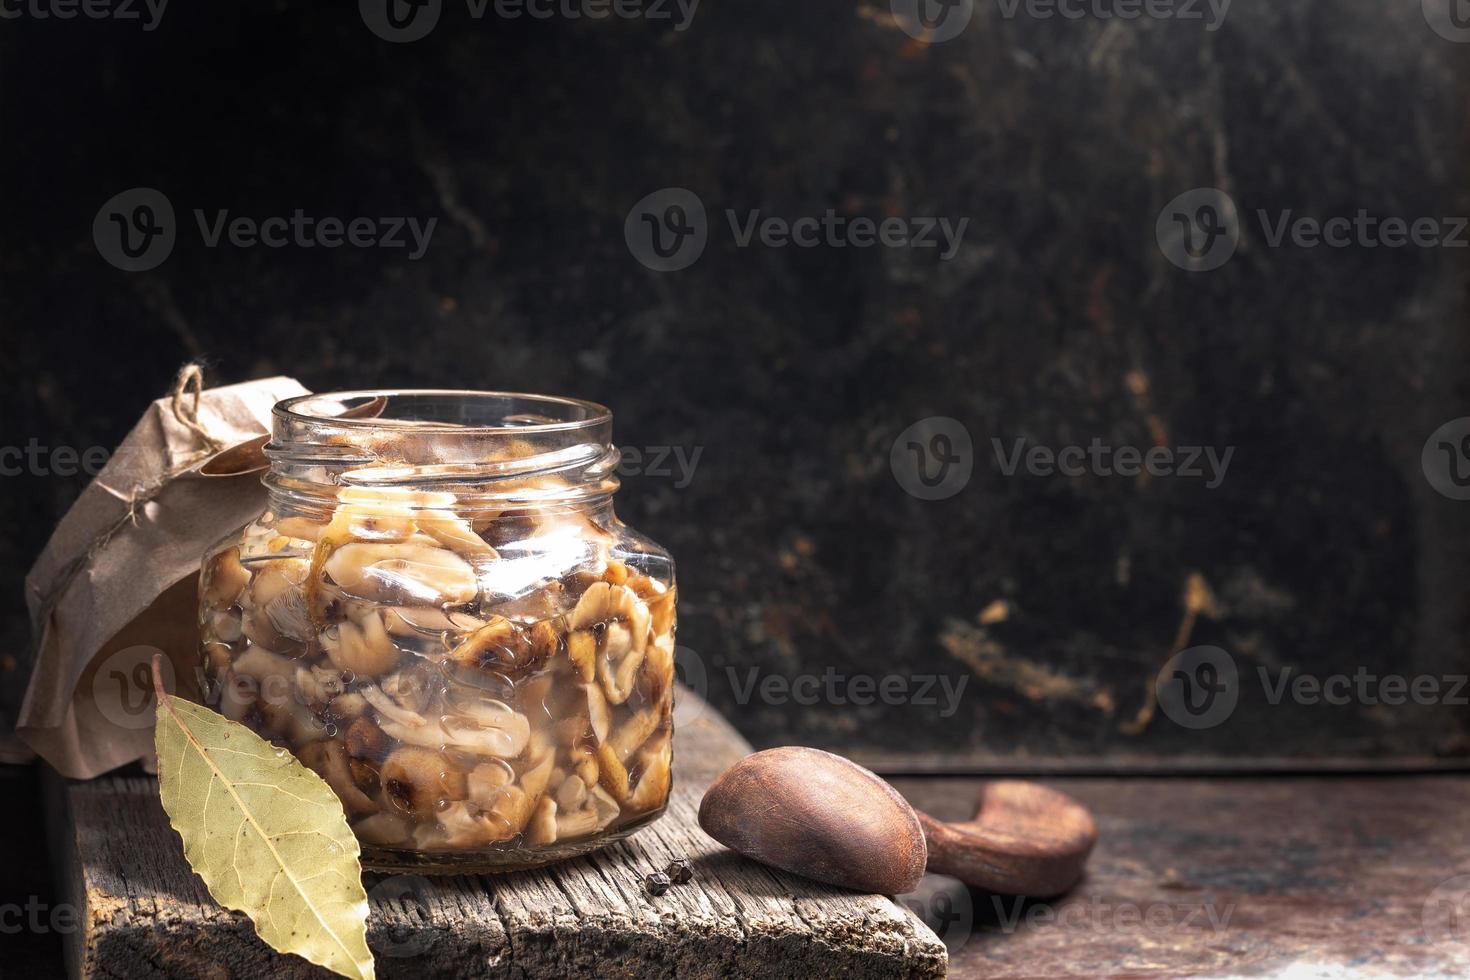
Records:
x=441, y=615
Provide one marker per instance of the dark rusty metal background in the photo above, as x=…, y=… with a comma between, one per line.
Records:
x=793, y=370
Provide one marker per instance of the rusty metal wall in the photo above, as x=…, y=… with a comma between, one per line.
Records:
x=788, y=402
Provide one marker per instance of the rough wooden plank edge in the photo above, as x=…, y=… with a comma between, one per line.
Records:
x=144, y=914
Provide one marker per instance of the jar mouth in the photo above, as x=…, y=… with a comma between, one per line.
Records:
x=487, y=447
x=469, y=413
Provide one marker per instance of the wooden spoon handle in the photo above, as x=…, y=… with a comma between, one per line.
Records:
x=1025, y=840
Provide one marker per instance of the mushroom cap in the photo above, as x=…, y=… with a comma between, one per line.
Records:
x=817, y=814
x=416, y=780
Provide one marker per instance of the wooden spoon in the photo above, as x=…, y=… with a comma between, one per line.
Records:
x=819, y=815
x=1025, y=840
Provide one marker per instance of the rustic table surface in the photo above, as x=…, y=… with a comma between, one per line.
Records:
x=1216, y=877
x=1222, y=877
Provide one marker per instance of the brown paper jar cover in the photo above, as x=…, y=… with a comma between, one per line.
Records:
x=118, y=578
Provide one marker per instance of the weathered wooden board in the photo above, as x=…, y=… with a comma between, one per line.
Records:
x=1321, y=877
x=145, y=914
x=1330, y=877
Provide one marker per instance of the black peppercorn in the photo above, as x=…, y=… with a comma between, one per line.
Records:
x=657, y=883
x=680, y=872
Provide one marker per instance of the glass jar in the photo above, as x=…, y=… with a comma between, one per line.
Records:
x=441, y=615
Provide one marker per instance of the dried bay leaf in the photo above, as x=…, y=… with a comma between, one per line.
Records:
x=267, y=835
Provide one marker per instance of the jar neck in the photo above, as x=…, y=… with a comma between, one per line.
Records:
x=470, y=452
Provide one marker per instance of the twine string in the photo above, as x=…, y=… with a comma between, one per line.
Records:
x=191, y=381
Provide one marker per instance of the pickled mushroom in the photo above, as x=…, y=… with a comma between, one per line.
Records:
x=462, y=680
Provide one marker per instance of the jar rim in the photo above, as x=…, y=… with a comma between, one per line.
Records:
x=591, y=413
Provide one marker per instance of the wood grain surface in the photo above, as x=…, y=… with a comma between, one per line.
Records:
x=1237, y=877
x=146, y=915
x=1326, y=877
